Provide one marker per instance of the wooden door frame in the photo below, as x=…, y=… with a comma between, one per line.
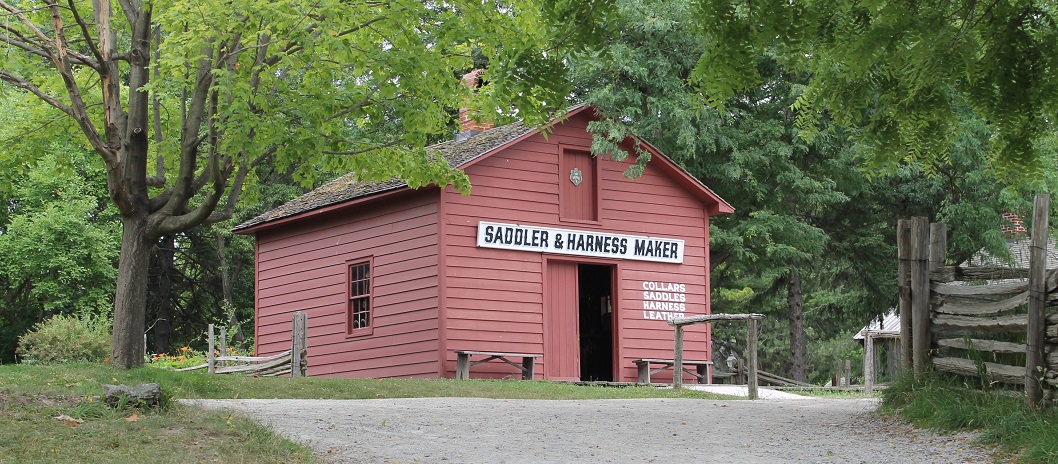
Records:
x=617, y=348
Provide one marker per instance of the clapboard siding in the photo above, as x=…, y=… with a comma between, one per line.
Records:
x=388, y=241
x=494, y=297
x=303, y=267
x=367, y=218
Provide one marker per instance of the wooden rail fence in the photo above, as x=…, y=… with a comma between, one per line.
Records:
x=992, y=322
x=266, y=366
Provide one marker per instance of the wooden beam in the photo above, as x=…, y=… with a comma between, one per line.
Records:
x=713, y=318
x=991, y=346
x=1015, y=323
x=956, y=273
x=1004, y=288
x=987, y=308
x=995, y=372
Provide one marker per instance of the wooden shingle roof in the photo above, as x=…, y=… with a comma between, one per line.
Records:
x=347, y=187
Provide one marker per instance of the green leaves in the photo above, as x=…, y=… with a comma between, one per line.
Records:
x=58, y=243
x=897, y=72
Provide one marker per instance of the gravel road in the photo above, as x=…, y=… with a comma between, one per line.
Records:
x=476, y=430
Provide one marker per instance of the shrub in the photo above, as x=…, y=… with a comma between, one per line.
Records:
x=65, y=338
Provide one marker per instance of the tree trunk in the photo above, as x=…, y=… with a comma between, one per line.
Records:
x=130, y=300
x=798, y=348
x=163, y=298
x=226, y=289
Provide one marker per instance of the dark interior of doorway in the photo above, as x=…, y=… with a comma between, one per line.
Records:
x=596, y=322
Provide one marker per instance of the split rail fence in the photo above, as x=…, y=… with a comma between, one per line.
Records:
x=999, y=324
x=266, y=366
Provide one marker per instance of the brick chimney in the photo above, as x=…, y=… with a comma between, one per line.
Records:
x=467, y=125
x=1016, y=227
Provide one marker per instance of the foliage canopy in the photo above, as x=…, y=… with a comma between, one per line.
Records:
x=182, y=99
x=899, y=72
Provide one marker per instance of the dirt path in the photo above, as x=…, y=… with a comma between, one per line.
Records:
x=475, y=430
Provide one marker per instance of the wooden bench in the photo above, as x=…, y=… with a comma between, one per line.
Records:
x=463, y=363
x=701, y=371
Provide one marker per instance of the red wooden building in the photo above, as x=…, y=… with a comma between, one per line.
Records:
x=555, y=252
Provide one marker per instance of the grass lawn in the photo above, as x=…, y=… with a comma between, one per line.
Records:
x=32, y=396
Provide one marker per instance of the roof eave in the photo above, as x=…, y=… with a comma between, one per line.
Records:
x=325, y=209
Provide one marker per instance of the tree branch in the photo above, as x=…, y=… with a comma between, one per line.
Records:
x=294, y=47
x=87, y=35
x=29, y=24
x=236, y=188
x=360, y=104
x=132, y=9
x=23, y=84
x=24, y=45
x=158, y=180
x=190, y=140
x=365, y=150
x=80, y=117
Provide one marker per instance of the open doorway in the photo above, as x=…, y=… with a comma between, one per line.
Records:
x=596, y=331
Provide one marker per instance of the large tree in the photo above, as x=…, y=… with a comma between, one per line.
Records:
x=181, y=99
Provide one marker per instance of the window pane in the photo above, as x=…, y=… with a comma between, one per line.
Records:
x=359, y=296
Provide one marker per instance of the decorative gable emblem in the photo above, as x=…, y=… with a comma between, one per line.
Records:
x=576, y=176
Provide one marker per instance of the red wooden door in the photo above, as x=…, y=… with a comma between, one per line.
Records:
x=561, y=333
x=578, y=186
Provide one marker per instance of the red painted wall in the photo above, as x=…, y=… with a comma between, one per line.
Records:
x=302, y=266
x=494, y=299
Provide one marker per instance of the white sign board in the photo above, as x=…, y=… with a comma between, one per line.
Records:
x=579, y=242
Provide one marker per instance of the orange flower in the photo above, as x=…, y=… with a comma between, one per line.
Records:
x=181, y=358
x=185, y=348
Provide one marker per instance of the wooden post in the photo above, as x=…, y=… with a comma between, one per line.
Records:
x=836, y=382
x=210, y=357
x=304, y=344
x=677, y=358
x=751, y=341
x=868, y=362
x=1034, y=340
x=919, y=294
x=223, y=344
x=938, y=254
x=848, y=373
x=903, y=246
x=298, y=345
x=938, y=245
